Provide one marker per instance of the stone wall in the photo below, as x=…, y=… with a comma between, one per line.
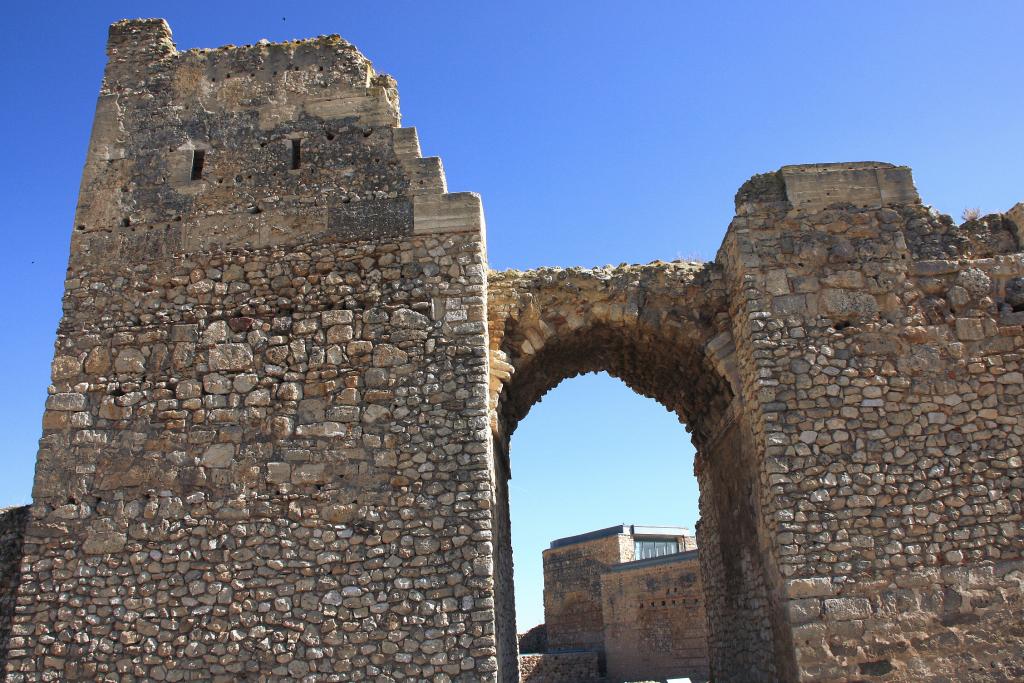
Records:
x=567, y=667
x=12, y=533
x=888, y=401
x=572, y=591
x=654, y=619
x=866, y=353
x=265, y=451
x=740, y=626
x=534, y=641
x=507, y=641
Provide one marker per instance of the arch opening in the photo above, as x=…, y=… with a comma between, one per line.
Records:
x=603, y=503
x=660, y=338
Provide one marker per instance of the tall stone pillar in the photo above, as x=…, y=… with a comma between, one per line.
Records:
x=882, y=377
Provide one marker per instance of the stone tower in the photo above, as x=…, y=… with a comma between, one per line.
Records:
x=264, y=451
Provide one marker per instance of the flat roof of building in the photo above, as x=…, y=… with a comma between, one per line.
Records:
x=627, y=529
x=684, y=556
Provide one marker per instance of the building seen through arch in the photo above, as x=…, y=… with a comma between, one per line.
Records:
x=626, y=600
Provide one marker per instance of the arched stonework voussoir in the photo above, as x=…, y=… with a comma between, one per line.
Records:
x=655, y=327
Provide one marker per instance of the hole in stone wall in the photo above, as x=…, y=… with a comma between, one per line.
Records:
x=125, y=222
x=638, y=465
x=676, y=375
x=878, y=668
x=296, y=154
x=198, y=159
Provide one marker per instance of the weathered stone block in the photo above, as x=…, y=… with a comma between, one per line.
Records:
x=104, y=538
x=218, y=455
x=66, y=402
x=843, y=609
x=817, y=587
x=845, y=303
x=130, y=361
x=969, y=329
x=231, y=357
x=309, y=474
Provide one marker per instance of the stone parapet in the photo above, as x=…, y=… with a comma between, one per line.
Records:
x=812, y=187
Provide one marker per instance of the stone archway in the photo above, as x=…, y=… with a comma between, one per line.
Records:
x=664, y=330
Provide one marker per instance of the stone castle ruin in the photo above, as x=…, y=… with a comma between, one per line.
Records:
x=276, y=445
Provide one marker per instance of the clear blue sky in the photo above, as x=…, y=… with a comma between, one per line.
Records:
x=596, y=132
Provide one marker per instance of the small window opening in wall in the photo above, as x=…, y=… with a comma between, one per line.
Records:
x=296, y=154
x=198, y=158
x=655, y=547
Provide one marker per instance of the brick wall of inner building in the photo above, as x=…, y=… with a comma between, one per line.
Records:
x=654, y=621
x=598, y=598
x=572, y=590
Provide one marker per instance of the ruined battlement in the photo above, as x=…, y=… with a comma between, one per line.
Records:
x=811, y=187
x=139, y=50
x=251, y=147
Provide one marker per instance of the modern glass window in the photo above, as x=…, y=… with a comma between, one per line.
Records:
x=646, y=548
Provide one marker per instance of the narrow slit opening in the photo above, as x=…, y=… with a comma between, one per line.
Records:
x=296, y=154
x=198, y=157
